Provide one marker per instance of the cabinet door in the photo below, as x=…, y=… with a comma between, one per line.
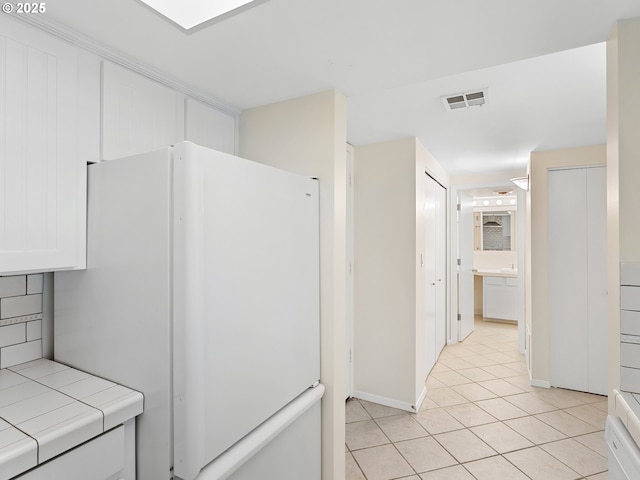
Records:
x=45, y=110
x=209, y=127
x=138, y=114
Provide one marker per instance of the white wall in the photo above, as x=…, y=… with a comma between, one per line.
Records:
x=307, y=136
x=623, y=172
x=389, y=332
x=536, y=250
x=385, y=290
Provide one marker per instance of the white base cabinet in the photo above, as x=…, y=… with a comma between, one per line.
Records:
x=500, y=298
x=111, y=456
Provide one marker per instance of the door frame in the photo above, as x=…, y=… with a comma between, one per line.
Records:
x=453, y=235
x=349, y=266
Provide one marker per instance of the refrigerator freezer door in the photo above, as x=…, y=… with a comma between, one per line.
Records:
x=246, y=298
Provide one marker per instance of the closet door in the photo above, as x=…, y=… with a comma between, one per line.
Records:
x=435, y=266
x=597, y=278
x=430, y=274
x=440, y=259
x=577, y=279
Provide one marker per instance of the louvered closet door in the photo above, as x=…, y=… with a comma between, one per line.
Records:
x=577, y=278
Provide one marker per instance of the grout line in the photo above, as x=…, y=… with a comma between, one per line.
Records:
x=483, y=338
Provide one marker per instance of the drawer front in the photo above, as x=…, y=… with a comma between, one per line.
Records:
x=630, y=355
x=511, y=282
x=629, y=322
x=494, y=281
x=98, y=459
x=629, y=298
x=630, y=379
x=629, y=273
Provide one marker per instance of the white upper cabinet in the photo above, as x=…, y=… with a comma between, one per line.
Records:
x=209, y=127
x=49, y=130
x=138, y=114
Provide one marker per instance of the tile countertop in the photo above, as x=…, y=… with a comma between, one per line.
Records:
x=47, y=408
x=627, y=407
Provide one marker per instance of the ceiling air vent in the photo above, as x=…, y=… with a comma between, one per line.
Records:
x=465, y=100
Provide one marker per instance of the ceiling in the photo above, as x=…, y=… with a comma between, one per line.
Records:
x=543, y=62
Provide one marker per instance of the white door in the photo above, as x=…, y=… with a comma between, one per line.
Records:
x=440, y=259
x=430, y=274
x=577, y=279
x=465, y=267
x=348, y=376
x=597, y=281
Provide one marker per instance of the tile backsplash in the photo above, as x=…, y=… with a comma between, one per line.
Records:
x=20, y=318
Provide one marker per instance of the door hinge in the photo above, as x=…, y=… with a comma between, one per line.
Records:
x=459, y=317
x=458, y=207
x=459, y=262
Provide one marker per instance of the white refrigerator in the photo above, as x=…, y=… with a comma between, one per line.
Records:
x=202, y=292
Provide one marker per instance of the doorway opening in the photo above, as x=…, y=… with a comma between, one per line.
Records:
x=490, y=257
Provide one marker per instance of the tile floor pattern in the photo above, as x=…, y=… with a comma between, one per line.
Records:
x=481, y=420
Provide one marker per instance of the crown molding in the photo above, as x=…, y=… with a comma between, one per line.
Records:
x=89, y=44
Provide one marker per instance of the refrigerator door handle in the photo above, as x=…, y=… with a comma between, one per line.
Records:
x=228, y=462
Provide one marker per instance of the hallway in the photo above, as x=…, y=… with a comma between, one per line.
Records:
x=481, y=420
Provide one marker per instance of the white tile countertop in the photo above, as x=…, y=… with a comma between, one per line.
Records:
x=47, y=408
x=627, y=407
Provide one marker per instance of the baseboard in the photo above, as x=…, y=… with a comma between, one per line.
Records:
x=390, y=402
x=421, y=398
x=540, y=383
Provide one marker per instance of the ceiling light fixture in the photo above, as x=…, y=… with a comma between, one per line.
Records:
x=191, y=13
x=521, y=182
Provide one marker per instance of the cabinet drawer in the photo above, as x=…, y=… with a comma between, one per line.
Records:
x=494, y=281
x=629, y=379
x=629, y=298
x=629, y=322
x=511, y=282
x=630, y=355
x=98, y=459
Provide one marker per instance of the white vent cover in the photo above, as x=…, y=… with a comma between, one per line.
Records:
x=476, y=98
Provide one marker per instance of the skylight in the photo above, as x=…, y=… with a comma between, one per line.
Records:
x=190, y=13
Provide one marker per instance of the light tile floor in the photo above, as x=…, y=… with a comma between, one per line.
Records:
x=481, y=420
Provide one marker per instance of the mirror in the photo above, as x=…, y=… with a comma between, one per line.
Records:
x=494, y=230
